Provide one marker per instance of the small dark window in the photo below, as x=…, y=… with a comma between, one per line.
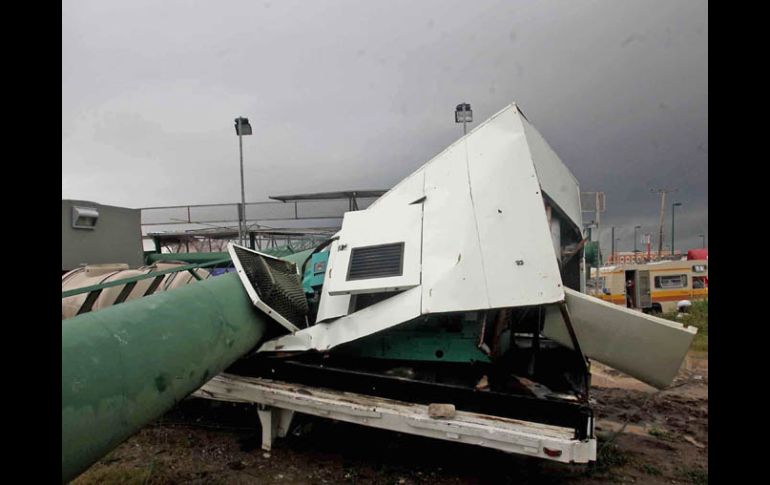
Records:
x=671, y=281
x=699, y=282
x=382, y=261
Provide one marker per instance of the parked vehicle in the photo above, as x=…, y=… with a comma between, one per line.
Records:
x=652, y=287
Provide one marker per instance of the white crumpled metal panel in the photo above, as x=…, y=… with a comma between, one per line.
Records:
x=397, y=309
x=520, y=265
x=555, y=178
x=453, y=273
x=486, y=242
x=648, y=348
x=331, y=306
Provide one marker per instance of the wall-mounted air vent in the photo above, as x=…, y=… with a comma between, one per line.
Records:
x=84, y=217
x=379, y=261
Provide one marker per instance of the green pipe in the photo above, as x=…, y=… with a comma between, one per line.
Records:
x=282, y=252
x=193, y=258
x=126, y=365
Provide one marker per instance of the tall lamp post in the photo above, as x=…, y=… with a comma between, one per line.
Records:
x=673, y=208
x=242, y=127
x=464, y=115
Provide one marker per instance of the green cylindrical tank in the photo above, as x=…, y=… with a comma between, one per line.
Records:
x=126, y=365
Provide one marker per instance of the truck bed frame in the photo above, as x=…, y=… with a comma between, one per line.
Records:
x=278, y=401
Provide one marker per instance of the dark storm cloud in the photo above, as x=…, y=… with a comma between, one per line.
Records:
x=359, y=94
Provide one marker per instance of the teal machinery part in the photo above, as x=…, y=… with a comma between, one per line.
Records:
x=432, y=339
x=435, y=338
x=315, y=272
x=126, y=365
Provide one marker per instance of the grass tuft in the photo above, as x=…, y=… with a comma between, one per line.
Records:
x=698, y=317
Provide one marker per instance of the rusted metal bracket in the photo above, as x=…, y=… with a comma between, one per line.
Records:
x=568, y=256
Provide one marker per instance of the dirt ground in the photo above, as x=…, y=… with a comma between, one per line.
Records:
x=664, y=440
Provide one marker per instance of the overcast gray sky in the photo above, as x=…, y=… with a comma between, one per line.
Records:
x=351, y=94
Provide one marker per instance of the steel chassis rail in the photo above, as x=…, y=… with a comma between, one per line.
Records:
x=278, y=401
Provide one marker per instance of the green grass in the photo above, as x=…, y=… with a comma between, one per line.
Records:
x=663, y=434
x=610, y=456
x=698, y=317
x=650, y=469
x=696, y=476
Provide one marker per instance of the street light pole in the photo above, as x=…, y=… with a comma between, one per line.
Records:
x=241, y=213
x=673, y=212
x=464, y=115
x=242, y=127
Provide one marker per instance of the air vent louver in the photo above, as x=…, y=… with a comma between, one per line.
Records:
x=277, y=284
x=379, y=261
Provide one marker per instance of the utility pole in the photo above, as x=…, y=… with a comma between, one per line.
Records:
x=663, y=193
x=673, y=214
x=613, y=245
x=636, y=228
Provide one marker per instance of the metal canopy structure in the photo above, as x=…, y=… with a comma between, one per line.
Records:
x=297, y=220
x=216, y=240
x=351, y=195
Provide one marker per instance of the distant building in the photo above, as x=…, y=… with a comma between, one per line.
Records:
x=93, y=233
x=629, y=257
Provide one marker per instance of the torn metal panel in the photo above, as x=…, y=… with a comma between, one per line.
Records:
x=648, y=348
x=476, y=237
x=395, y=310
x=273, y=285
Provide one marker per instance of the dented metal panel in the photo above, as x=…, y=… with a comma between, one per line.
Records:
x=399, y=308
x=555, y=178
x=451, y=248
x=648, y=348
x=331, y=306
x=476, y=236
x=512, y=226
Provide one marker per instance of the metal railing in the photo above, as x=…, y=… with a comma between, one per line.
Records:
x=95, y=290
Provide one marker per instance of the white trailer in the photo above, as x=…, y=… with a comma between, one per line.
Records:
x=278, y=401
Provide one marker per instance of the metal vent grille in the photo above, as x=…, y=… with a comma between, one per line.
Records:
x=380, y=261
x=277, y=284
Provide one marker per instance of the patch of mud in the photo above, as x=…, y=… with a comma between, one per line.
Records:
x=664, y=439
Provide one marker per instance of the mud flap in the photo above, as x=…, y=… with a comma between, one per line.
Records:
x=648, y=348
